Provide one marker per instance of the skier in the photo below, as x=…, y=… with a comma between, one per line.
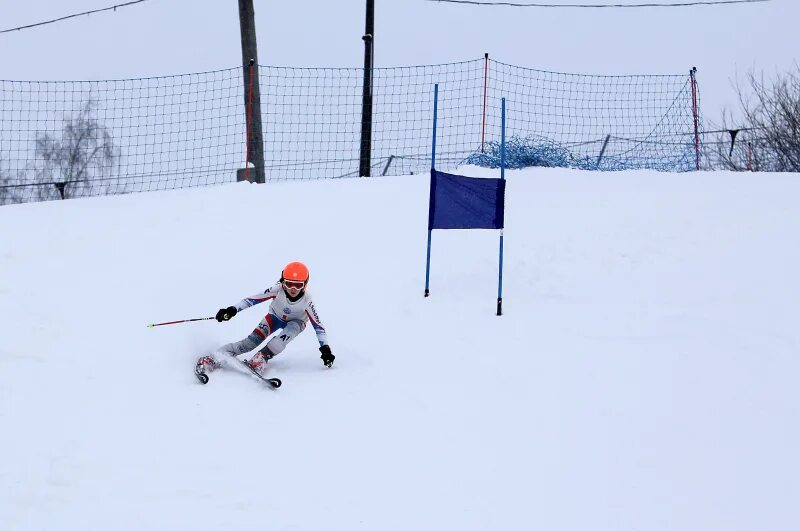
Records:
x=290, y=311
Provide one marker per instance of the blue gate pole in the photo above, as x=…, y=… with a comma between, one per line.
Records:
x=430, y=202
x=503, y=177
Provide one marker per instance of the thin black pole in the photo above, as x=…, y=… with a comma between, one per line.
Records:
x=603, y=150
x=366, y=98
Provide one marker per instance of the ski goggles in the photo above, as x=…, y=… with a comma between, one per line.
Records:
x=293, y=284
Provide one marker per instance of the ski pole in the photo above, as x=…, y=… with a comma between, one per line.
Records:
x=182, y=321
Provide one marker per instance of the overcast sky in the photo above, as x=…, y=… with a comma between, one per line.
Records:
x=162, y=37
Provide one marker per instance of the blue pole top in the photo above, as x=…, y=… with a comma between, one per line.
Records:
x=435, y=109
x=503, y=139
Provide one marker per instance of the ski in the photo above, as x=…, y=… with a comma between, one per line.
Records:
x=274, y=383
x=203, y=377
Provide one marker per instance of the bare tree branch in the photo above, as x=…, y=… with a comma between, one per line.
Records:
x=771, y=111
x=84, y=153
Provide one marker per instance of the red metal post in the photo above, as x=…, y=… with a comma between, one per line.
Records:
x=485, y=90
x=696, y=114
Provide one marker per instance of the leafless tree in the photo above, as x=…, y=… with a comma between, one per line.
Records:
x=80, y=162
x=6, y=189
x=736, y=148
x=770, y=139
x=9, y=188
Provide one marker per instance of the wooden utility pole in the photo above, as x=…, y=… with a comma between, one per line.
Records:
x=252, y=95
x=366, y=98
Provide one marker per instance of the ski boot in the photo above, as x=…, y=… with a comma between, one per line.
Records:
x=205, y=365
x=259, y=362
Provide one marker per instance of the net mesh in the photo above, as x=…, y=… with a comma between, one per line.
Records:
x=65, y=139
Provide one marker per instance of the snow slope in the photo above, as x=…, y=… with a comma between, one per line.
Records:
x=643, y=376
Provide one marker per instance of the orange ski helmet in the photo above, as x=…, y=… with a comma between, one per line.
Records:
x=295, y=271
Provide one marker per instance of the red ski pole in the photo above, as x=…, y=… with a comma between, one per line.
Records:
x=182, y=321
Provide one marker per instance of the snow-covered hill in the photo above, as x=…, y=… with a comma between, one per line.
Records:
x=644, y=375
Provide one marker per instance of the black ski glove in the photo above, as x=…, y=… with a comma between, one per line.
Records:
x=327, y=356
x=225, y=314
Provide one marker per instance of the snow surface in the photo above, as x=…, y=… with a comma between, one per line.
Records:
x=643, y=377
